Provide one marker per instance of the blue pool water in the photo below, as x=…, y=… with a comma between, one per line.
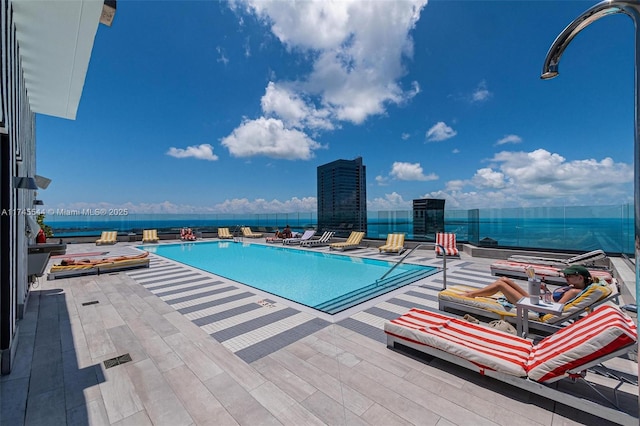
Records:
x=324, y=281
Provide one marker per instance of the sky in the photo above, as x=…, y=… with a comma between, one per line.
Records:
x=230, y=107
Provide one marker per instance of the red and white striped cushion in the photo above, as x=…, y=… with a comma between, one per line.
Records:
x=600, y=333
x=448, y=241
x=483, y=346
x=510, y=267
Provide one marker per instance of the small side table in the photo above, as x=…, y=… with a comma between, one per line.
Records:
x=523, y=307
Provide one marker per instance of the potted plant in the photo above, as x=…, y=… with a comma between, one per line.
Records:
x=46, y=229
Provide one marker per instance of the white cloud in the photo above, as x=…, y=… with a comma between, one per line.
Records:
x=269, y=137
x=481, y=93
x=410, y=171
x=222, y=58
x=405, y=136
x=356, y=49
x=280, y=101
x=541, y=178
x=440, y=132
x=509, y=139
x=382, y=180
x=393, y=201
x=201, y=152
x=489, y=178
x=232, y=206
x=260, y=205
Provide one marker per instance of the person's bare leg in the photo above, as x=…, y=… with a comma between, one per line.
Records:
x=512, y=291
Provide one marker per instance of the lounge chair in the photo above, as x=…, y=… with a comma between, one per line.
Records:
x=324, y=240
x=604, y=334
x=186, y=234
x=150, y=236
x=395, y=244
x=247, y=232
x=223, y=233
x=448, y=241
x=306, y=236
x=453, y=299
x=98, y=266
x=107, y=237
x=551, y=274
x=585, y=259
x=353, y=242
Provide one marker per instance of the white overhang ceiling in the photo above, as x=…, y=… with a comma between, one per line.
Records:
x=55, y=38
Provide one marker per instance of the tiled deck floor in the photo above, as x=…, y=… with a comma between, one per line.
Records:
x=206, y=350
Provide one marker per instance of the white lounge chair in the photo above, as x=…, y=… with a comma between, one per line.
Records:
x=585, y=259
x=307, y=235
x=551, y=274
x=324, y=240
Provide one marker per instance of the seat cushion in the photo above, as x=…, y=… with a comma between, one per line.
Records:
x=485, y=347
x=586, y=298
x=604, y=331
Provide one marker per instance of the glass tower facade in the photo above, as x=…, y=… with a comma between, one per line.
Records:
x=342, y=196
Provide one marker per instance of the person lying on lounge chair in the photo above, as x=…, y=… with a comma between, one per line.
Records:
x=578, y=278
x=186, y=234
x=70, y=262
x=286, y=233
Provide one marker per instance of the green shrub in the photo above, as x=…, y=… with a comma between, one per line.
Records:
x=48, y=231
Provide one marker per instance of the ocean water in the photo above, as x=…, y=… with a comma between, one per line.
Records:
x=611, y=234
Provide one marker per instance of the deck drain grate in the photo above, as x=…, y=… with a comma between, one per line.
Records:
x=268, y=303
x=117, y=360
x=93, y=302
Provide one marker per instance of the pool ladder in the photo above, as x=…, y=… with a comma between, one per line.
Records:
x=444, y=263
x=237, y=234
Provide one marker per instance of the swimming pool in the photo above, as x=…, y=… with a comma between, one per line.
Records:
x=324, y=281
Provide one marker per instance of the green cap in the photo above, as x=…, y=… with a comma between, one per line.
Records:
x=577, y=270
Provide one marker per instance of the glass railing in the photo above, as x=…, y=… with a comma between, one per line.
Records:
x=585, y=228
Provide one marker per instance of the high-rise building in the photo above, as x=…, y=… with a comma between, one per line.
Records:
x=342, y=196
x=428, y=218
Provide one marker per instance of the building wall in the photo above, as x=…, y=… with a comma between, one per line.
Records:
x=17, y=158
x=342, y=196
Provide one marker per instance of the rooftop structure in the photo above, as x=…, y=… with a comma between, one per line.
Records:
x=48, y=47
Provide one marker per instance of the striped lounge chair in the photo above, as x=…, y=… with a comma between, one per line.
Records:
x=150, y=236
x=223, y=233
x=107, y=237
x=99, y=266
x=585, y=259
x=353, y=242
x=452, y=299
x=248, y=233
x=298, y=240
x=448, y=241
x=551, y=274
x=567, y=354
x=394, y=244
x=324, y=240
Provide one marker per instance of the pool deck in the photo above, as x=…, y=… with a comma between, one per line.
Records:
x=207, y=350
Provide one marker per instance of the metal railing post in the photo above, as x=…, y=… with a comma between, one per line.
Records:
x=444, y=266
